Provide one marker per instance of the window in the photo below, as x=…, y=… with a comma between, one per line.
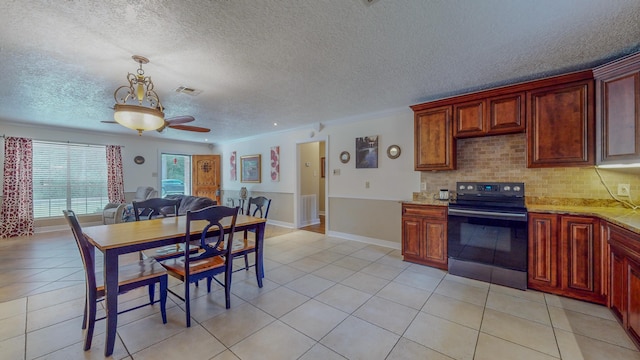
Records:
x=68, y=176
x=176, y=175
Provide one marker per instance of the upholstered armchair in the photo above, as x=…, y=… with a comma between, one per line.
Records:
x=113, y=213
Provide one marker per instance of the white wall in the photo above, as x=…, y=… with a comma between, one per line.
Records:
x=392, y=180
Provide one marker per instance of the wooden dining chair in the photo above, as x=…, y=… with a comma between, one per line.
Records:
x=132, y=276
x=212, y=258
x=258, y=207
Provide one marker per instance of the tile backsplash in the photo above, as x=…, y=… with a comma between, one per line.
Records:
x=503, y=158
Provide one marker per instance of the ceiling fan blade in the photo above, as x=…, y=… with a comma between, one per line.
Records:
x=183, y=119
x=108, y=122
x=190, y=128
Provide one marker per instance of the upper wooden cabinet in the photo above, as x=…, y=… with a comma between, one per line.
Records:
x=557, y=113
x=435, y=147
x=504, y=114
x=561, y=125
x=618, y=111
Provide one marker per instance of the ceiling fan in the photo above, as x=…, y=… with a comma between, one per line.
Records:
x=175, y=122
x=138, y=106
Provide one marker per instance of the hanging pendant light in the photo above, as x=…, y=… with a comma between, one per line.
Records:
x=137, y=105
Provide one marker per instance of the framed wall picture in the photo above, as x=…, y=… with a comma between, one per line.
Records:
x=367, y=152
x=250, y=168
x=233, y=175
x=275, y=163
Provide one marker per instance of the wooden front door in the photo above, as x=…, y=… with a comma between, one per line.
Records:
x=206, y=176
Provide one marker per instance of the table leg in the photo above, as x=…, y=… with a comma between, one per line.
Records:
x=111, y=298
x=259, y=253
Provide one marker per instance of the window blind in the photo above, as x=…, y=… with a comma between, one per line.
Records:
x=68, y=176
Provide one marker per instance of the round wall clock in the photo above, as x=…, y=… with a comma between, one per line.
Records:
x=138, y=160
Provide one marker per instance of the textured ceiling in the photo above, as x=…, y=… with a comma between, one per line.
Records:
x=294, y=62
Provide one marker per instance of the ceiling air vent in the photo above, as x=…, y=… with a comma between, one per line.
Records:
x=188, y=91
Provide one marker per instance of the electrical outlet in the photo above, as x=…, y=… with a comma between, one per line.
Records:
x=423, y=186
x=366, y=184
x=623, y=189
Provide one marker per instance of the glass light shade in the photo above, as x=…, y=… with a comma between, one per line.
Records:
x=138, y=117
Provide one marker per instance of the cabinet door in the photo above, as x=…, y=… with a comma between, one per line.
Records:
x=436, y=243
x=633, y=300
x=617, y=285
x=619, y=118
x=506, y=114
x=434, y=144
x=581, y=258
x=411, y=236
x=560, y=127
x=543, y=250
x=468, y=119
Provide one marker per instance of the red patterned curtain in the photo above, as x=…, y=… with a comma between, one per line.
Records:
x=115, y=178
x=16, y=218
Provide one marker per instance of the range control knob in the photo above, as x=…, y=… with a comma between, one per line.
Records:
x=469, y=187
x=507, y=188
x=462, y=187
x=516, y=188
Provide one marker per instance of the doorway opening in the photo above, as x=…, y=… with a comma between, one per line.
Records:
x=311, y=186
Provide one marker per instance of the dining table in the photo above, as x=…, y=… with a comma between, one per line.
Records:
x=114, y=240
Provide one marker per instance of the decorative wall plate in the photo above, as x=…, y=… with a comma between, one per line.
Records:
x=345, y=157
x=393, y=151
x=138, y=160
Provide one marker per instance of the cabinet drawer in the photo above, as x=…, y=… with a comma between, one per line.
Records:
x=428, y=211
x=626, y=241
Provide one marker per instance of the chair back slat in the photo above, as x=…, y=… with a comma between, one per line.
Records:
x=260, y=206
x=211, y=244
x=87, y=251
x=154, y=207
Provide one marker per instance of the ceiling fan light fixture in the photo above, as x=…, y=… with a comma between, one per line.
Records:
x=138, y=117
x=130, y=109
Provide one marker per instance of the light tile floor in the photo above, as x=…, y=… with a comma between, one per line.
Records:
x=323, y=298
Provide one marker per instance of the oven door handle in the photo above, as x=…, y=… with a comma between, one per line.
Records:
x=515, y=216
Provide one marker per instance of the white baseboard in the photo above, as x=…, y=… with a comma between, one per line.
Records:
x=280, y=223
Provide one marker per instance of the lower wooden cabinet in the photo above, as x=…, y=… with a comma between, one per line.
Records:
x=565, y=256
x=624, y=279
x=617, y=285
x=424, y=234
x=633, y=298
x=543, y=252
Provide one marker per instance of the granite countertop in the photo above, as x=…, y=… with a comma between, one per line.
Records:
x=427, y=202
x=607, y=210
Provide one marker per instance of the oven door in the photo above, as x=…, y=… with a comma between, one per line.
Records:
x=488, y=244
